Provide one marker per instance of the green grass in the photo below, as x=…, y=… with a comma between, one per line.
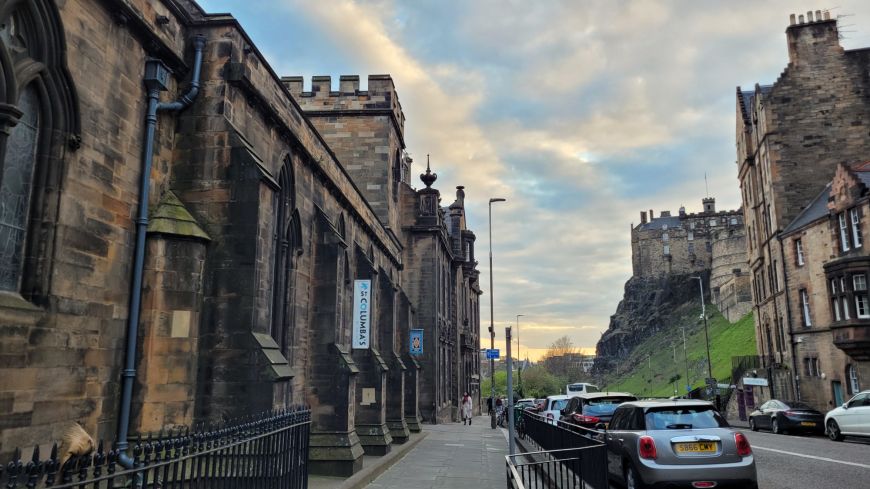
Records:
x=650, y=368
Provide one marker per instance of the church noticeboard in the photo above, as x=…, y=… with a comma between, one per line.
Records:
x=362, y=299
x=416, y=345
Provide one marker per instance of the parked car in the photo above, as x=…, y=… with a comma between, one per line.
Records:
x=578, y=388
x=593, y=410
x=675, y=444
x=786, y=416
x=526, y=403
x=552, y=406
x=850, y=419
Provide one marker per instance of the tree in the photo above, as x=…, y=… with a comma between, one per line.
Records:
x=559, y=358
x=538, y=382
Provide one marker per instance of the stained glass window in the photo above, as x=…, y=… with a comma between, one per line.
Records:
x=16, y=183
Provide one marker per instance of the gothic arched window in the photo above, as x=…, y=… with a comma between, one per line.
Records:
x=39, y=120
x=16, y=184
x=284, y=245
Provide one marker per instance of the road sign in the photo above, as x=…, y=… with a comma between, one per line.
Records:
x=492, y=354
x=416, y=346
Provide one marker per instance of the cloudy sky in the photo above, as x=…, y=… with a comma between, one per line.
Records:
x=579, y=113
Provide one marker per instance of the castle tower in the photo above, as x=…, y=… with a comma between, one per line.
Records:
x=709, y=205
x=365, y=129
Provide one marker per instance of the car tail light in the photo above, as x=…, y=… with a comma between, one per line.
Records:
x=647, y=447
x=583, y=419
x=704, y=484
x=743, y=448
x=789, y=413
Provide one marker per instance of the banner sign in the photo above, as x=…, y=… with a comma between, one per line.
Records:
x=416, y=345
x=362, y=299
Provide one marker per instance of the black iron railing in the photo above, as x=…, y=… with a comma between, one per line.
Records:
x=569, y=456
x=264, y=451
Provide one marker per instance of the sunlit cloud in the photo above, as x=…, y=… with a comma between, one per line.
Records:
x=581, y=114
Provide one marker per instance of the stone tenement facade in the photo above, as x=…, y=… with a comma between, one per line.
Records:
x=259, y=223
x=827, y=267
x=697, y=243
x=791, y=136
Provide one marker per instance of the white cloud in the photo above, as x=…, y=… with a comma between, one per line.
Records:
x=579, y=113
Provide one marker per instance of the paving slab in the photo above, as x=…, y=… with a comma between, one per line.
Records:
x=452, y=456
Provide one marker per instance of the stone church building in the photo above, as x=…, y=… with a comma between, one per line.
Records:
x=181, y=230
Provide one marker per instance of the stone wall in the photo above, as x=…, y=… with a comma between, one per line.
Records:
x=729, y=276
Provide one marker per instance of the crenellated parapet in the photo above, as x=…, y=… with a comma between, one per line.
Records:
x=381, y=96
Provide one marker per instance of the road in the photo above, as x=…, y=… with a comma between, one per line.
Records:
x=811, y=462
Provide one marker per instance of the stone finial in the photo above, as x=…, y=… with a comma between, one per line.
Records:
x=460, y=193
x=428, y=178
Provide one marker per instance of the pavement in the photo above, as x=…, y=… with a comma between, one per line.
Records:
x=452, y=455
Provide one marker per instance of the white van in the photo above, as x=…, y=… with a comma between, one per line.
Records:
x=578, y=388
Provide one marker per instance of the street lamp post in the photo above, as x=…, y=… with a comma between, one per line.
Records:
x=510, y=388
x=519, y=358
x=491, y=317
x=706, y=334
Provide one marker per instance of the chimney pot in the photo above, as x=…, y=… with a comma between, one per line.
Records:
x=800, y=19
x=809, y=16
x=791, y=19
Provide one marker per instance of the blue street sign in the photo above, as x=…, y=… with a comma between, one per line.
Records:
x=492, y=354
x=416, y=346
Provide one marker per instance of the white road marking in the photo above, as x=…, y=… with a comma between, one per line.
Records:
x=454, y=445
x=865, y=466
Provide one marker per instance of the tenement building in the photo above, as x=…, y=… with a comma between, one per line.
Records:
x=709, y=242
x=827, y=292
x=185, y=236
x=794, y=138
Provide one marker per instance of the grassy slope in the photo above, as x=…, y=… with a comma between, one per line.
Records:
x=726, y=340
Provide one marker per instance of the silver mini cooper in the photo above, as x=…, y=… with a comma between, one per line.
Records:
x=681, y=443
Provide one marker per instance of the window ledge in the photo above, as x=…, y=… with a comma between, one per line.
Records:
x=12, y=300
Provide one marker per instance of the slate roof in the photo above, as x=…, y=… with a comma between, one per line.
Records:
x=659, y=223
x=749, y=95
x=817, y=209
x=862, y=171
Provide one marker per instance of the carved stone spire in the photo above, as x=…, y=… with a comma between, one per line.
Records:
x=428, y=178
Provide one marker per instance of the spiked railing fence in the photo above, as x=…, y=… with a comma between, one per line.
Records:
x=269, y=450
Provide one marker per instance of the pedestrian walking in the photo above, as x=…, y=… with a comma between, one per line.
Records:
x=489, y=406
x=466, y=408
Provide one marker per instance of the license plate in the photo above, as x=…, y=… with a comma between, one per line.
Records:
x=807, y=423
x=698, y=447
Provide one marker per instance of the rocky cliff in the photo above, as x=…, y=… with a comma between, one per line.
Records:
x=648, y=305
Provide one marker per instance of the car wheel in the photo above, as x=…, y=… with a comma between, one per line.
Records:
x=834, y=432
x=752, y=425
x=632, y=480
x=774, y=427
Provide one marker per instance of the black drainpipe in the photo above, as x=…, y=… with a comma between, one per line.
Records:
x=156, y=76
x=791, y=339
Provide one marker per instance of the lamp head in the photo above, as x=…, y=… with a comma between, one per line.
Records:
x=497, y=199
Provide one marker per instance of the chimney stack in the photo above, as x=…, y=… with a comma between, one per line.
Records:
x=814, y=40
x=791, y=19
x=643, y=217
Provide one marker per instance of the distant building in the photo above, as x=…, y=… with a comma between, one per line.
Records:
x=805, y=207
